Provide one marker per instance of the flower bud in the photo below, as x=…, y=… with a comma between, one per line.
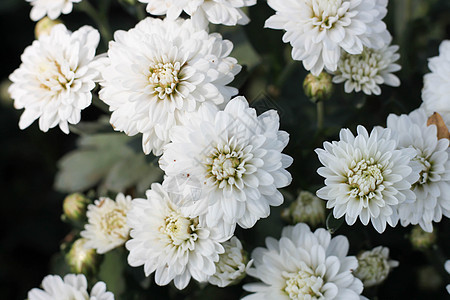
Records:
x=307, y=208
x=81, y=259
x=44, y=26
x=232, y=264
x=374, y=266
x=75, y=206
x=421, y=239
x=318, y=88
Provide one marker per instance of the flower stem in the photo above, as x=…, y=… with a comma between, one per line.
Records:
x=99, y=17
x=320, y=114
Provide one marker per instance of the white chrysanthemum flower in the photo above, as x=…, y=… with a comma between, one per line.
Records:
x=307, y=208
x=55, y=79
x=236, y=157
x=226, y=12
x=169, y=243
x=366, y=71
x=304, y=265
x=432, y=157
x=107, y=226
x=161, y=69
x=232, y=265
x=52, y=8
x=447, y=268
x=366, y=176
x=436, y=89
x=374, y=266
x=72, y=287
x=319, y=30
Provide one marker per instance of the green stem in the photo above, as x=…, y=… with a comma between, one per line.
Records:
x=320, y=114
x=100, y=18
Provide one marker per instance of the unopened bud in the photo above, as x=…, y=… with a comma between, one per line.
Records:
x=81, y=259
x=374, y=266
x=307, y=208
x=422, y=240
x=75, y=206
x=44, y=26
x=318, y=88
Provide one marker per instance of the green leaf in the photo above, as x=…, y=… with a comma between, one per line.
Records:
x=111, y=271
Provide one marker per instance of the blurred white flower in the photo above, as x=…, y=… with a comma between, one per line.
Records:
x=319, y=30
x=236, y=157
x=432, y=189
x=436, y=89
x=161, y=69
x=232, y=265
x=366, y=71
x=374, y=266
x=55, y=79
x=107, y=223
x=307, y=208
x=226, y=12
x=169, y=243
x=366, y=176
x=304, y=265
x=71, y=287
x=447, y=268
x=52, y=8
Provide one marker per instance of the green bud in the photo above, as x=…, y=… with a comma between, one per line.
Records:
x=82, y=260
x=44, y=26
x=307, y=208
x=422, y=240
x=318, y=88
x=74, y=207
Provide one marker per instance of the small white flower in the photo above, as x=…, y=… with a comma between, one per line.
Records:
x=236, y=157
x=226, y=12
x=374, y=266
x=72, y=287
x=51, y=8
x=232, y=265
x=436, y=89
x=432, y=189
x=447, y=268
x=307, y=208
x=319, y=30
x=55, y=79
x=304, y=265
x=107, y=223
x=366, y=71
x=161, y=69
x=366, y=176
x=170, y=244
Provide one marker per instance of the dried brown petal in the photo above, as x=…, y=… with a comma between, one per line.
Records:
x=442, y=130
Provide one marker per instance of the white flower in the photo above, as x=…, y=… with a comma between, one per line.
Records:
x=366, y=176
x=447, y=268
x=432, y=189
x=227, y=12
x=72, y=287
x=236, y=157
x=107, y=223
x=304, y=265
x=374, y=266
x=51, y=8
x=368, y=70
x=319, y=30
x=169, y=243
x=161, y=69
x=232, y=265
x=436, y=89
x=307, y=208
x=55, y=79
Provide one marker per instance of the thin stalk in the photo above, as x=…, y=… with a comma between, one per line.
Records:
x=320, y=115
